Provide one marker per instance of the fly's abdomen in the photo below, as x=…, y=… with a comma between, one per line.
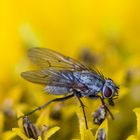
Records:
x=56, y=90
x=61, y=83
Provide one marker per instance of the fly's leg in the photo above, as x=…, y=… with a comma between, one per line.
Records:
x=46, y=104
x=83, y=109
x=107, y=109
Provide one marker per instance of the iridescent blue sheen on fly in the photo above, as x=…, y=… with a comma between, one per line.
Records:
x=62, y=75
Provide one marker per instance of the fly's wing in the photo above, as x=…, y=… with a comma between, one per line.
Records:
x=45, y=58
x=35, y=76
x=56, y=82
x=98, y=73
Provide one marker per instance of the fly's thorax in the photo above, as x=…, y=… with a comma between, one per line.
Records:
x=88, y=83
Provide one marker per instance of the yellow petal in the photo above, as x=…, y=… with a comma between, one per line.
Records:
x=20, y=121
x=132, y=137
x=51, y=131
x=8, y=135
x=137, y=112
x=20, y=133
x=1, y=121
x=86, y=134
x=39, y=138
x=104, y=125
x=43, y=118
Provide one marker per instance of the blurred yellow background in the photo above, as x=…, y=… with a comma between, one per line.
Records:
x=109, y=29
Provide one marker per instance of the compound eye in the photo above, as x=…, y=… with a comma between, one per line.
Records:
x=107, y=92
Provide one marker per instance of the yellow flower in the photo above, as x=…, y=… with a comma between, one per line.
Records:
x=27, y=130
x=111, y=29
x=137, y=136
x=87, y=134
x=104, y=127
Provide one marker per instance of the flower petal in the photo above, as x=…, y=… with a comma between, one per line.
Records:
x=86, y=134
x=132, y=137
x=20, y=133
x=51, y=131
x=104, y=126
x=137, y=112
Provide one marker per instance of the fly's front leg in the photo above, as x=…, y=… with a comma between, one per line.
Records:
x=107, y=109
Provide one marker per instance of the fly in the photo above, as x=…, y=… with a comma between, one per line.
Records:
x=63, y=75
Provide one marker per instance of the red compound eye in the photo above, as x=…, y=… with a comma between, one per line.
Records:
x=107, y=92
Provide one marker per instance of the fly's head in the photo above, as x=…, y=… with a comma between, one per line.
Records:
x=110, y=91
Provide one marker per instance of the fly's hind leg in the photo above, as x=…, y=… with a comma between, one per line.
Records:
x=46, y=104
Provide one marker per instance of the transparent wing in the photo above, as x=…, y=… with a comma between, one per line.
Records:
x=57, y=82
x=35, y=76
x=97, y=72
x=45, y=58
